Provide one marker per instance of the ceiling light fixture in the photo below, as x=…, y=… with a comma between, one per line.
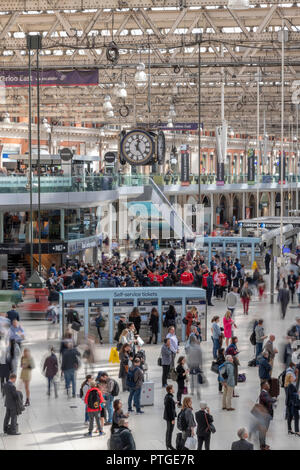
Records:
x=120, y=91
x=107, y=106
x=238, y=4
x=6, y=118
x=140, y=76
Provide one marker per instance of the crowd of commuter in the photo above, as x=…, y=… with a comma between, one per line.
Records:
x=181, y=371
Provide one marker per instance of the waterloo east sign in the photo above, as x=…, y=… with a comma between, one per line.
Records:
x=18, y=78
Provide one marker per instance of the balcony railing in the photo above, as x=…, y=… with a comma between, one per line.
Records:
x=53, y=184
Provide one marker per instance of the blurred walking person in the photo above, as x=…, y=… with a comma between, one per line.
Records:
x=27, y=364
x=50, y=369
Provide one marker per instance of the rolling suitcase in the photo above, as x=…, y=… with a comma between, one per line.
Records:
x=147, y=393
x=274, y=387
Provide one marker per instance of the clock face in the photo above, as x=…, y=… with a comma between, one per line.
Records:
x=161, y=147
x=137, y=147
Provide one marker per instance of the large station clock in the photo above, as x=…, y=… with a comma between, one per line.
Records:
x=137, y=147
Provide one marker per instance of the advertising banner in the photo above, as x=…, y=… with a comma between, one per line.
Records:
x=221, y=150
x=251, y=167
x=282, y=177
x=185, y=165
x=18, y=78
x=220, y=173
x=177, y=126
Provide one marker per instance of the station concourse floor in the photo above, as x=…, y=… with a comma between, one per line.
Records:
x=57, y=424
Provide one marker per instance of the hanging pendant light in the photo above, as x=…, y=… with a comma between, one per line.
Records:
x=172, y=112
x=46, y=126
x=140, y=76
x=121, y=91
x=170, y=124
x=110, y=114
x=6, y=118
x=107, y=106
x=238, y=4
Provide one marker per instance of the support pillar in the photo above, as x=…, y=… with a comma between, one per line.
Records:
x=272, y=275
x=1, y=228
x=212, y=213
x=244, y=206
x=272, y=204
x=62, y=224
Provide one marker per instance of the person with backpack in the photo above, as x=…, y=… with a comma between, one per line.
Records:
x=233, y=351
x=265, y=368
x=134, y=382
x=110, y=389
x=85, y=386
x=100, y=323
x=94, y=399
x=50, y=369
x=169, y=415
x=121, y=438
x=166, y=360
x=226, y=374
x=185, y=420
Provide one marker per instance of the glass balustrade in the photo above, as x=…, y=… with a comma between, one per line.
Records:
x=53, y=184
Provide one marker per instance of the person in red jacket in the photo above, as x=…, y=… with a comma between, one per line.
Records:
x=94, y=399
x=223, y=283
x=204, y=279
x=187, y=278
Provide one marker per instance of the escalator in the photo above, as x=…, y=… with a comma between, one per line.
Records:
x=168, y=213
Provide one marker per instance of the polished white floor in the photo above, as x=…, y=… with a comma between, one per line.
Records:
x=58, y=424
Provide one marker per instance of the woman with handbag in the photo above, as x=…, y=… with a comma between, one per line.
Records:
x=27, y=364
x=181, y=377
x=292, y=403
x=228, y=324
x=205, y=427
x=125, y=363
x=190, y=424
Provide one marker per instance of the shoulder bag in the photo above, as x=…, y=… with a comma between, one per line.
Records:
x=210, y=427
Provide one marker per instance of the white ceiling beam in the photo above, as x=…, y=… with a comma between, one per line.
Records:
x=239, y=22
x=65, y=23
x=11, y=21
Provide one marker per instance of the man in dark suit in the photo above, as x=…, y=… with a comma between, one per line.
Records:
x=11, y=404
x=242, y=444
x=203, y=419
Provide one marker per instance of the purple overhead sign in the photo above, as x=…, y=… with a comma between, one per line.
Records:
x=18, y=78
